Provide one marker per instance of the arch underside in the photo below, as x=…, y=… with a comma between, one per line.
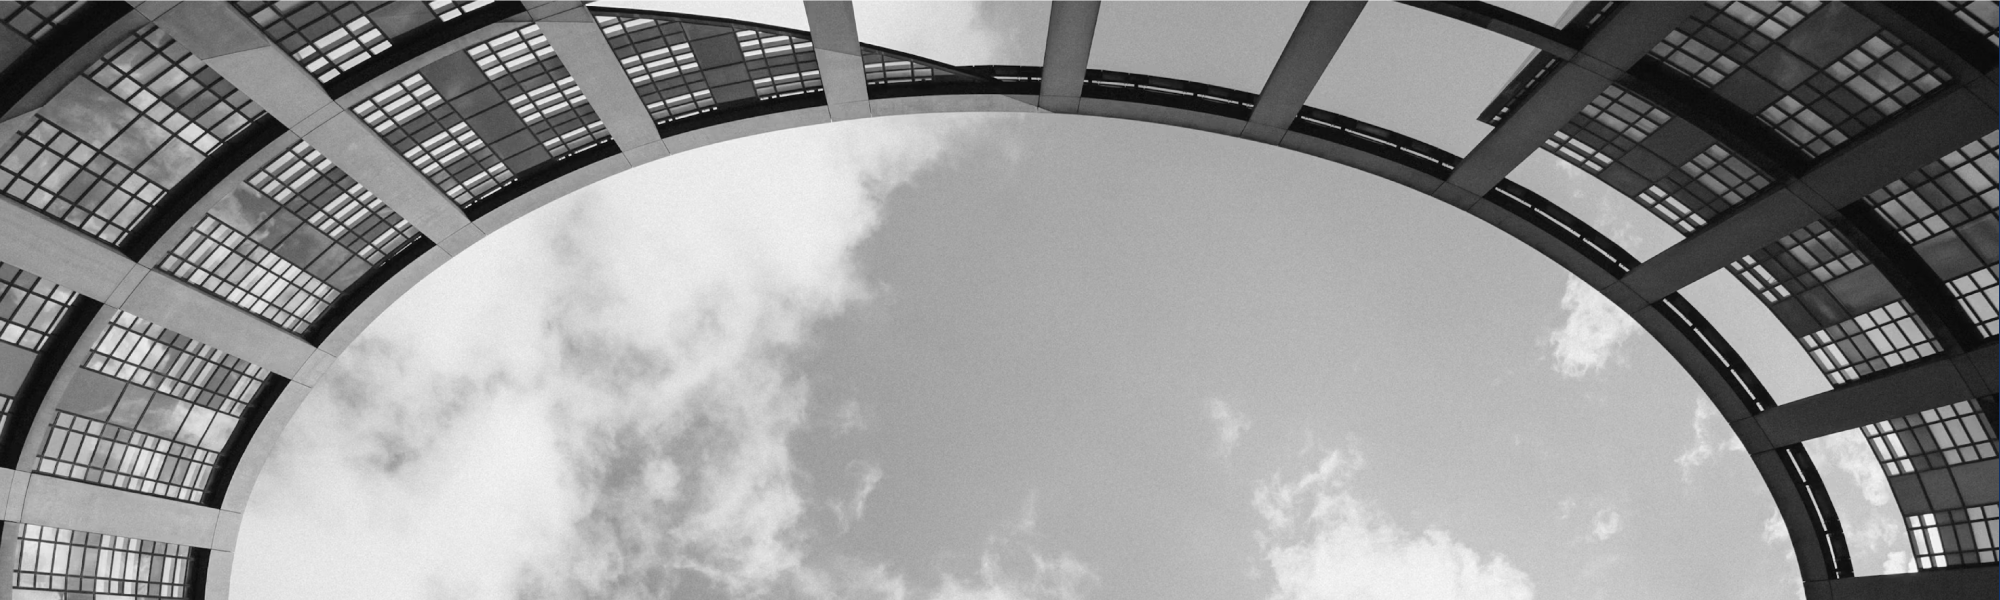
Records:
x=283, y=216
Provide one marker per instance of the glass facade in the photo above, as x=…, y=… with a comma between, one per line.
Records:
x=287, y=243
x=687, y=67
x=30, y=308
x=1672, y=168
x=329, y=38
x=473, y=121
x=1940, y=464
x=101, y=154
x=1846, y=314
x=1946, y=210
x=1982, y=16
x=882, y=66
x=91, y=566
x=1817, y=73
x=151, y=414
x=32, y=20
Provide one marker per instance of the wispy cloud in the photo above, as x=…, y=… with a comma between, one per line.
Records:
x=1868, y=513
x=1711, y=436
x=1320, y=541
x=598, y=401
x=1593, y=331
x=1229, y=426
x=1606, y=523
x=851, y=509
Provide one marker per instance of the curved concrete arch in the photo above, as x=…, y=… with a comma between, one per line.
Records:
x=304, y=110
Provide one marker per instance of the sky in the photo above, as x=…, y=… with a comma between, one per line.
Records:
x=1004, y=357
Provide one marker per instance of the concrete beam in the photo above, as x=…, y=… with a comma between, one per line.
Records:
x=81, y=506
x=837, y=46
x=1930, y=385
x=577, y=40
x=1886, y=153
x=1314, y=41
x=193, y=312
x=1066, y=56
x=235, y=48
x=52, y=250
x=1619, y=42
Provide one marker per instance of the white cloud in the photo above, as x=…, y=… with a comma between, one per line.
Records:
x=1711, y=437
x=847, y=512
x=1876, y=536
x=596, y=402
x=1320, y=541
x=1774, y=529
x=1606, y=523
x=1229, y=426
x=1592, y=332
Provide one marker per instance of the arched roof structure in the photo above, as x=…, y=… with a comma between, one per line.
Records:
x=207, y=202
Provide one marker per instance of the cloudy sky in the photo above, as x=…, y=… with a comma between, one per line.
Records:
x=1008, y=357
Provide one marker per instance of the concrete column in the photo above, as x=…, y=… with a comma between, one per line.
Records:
x=1314, y=41
x=221, y=565
x=574, y=34
x=1619, y=42
x=837, y=47
x=1067, y=54
x=235, y=48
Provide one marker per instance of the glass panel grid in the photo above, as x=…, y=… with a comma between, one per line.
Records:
x=56, y=172
x=106, y=454
x=523, y=66
x=170, y=87
x=30, y=307
x=1613, y=124
x=1874, y=80
x=231, y=264
x=1932, y=439
x=1956, y=189
x=1982, y=16
x=450, y=155
x=1720, y=37
x=1954, y=537
x=35, y=19
x=304, y=182
x=1705, y=186
x=153, y=357
x=470, y=155
x=780, y=65
x=1977, y=296
x=327, y=38
x=1803, y=260
x=657, y=57
x=89, y=564
x=1877, y=340
x=447, y=11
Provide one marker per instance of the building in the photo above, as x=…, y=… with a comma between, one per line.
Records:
x=207, y=202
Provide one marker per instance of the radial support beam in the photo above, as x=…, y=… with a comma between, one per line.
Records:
x=234, y=47
x=574, y=34
x=1934, y=383
x=1317, y=37
x=837, y=46
x=44, y=500
x=1504, y=22
x=1618, y=43
x=1890, y=151
x=1066, y=56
